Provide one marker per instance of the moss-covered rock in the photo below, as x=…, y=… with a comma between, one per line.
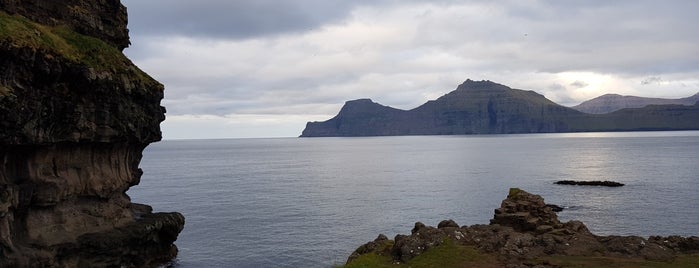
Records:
x=524, y=233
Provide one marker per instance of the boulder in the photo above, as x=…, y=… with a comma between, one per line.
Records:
x=525, y=212
x=590, y=183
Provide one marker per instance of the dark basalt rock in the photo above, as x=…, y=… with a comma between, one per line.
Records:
x=75, y=116
x=555, y=208
x=590, y=183
x=447, y=223
x=523, y=230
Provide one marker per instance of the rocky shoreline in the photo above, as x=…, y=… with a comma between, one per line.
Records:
x=524, y=232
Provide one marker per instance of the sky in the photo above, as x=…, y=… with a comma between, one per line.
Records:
x=263, y=68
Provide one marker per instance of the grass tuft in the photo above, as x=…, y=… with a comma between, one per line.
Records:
x=448, y=254
x=63, y=43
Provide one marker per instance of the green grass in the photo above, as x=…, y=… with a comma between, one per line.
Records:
x=448, y=254
x=61, y=42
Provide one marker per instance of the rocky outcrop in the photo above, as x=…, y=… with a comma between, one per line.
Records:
x=484, y=107
x=590, y=183
x=613, y=102
x=75, y=116
x=522, y=232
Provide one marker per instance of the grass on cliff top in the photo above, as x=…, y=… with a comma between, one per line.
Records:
x=60, y=41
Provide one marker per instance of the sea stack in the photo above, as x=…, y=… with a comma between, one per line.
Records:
x=75, y=116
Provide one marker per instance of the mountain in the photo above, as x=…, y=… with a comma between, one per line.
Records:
x=613, y=102
x=485, y=107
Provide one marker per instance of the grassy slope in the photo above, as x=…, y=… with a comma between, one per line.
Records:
x=450, y=254
x=63, y=43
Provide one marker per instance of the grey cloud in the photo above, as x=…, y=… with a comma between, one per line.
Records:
x=579, y=84
x=240, y=19
x=651, y=80
x=235, y=19
x=619, y=38
x=556, y=87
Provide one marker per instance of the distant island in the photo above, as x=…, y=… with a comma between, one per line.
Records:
x=613, y=102
x=485, y=107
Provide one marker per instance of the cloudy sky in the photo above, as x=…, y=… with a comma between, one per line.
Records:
x=263, y=68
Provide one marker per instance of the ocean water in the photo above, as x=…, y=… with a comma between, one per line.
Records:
x=309, y=202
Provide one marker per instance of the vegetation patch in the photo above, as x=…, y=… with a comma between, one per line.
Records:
x=62, y=42
x=448, y=254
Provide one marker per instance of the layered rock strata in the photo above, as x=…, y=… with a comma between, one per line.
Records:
x=523, y=231
x=75, y=116
x=485, y=107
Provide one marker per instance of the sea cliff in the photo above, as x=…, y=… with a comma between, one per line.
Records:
x=485, y=107
x=75, y=116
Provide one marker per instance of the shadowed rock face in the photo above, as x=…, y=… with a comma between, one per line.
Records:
x=523, y=230
x=75, y=116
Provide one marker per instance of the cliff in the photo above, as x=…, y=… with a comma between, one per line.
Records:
x=485, y=107
x=75, y=116
x=613, y=102
x=524, y=232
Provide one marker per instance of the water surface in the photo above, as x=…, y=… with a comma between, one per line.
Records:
x=310, y=202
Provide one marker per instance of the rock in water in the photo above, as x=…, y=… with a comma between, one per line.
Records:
x=75, y=116
x=591, y=183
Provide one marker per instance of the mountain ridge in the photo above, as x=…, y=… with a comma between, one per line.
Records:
x=608, y=103
x=486, y=107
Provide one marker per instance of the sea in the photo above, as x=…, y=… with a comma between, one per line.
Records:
x=310, y=202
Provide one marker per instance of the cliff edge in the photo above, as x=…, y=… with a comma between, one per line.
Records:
x=75, y=116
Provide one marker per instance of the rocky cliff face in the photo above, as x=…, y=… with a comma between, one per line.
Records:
x=484, y=107
x=475, y=107
x=75, y=116
x=613, y=102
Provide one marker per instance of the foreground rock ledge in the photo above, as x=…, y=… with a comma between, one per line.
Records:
x=523, y=231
